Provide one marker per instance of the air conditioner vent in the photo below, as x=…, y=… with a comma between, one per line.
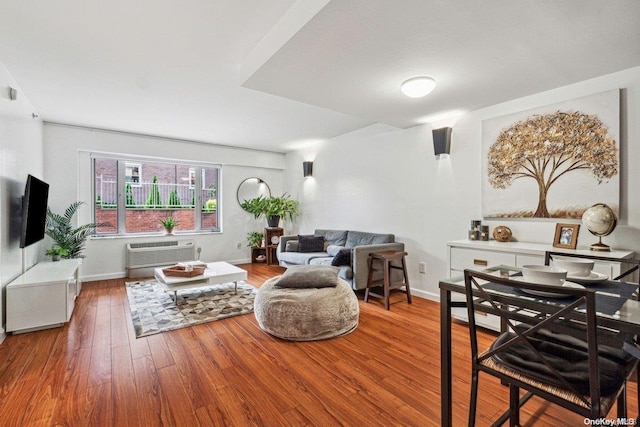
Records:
x=143, y=257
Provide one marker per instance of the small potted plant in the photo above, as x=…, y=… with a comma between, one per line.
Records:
x=55, y=252
x=254, y=239
x=169, y=223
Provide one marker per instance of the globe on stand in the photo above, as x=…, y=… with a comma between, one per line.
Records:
x=600, y=220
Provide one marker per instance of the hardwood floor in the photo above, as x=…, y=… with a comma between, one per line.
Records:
x=93, y=371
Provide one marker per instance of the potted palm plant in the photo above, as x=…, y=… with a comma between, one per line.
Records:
x=69, y=241
x=272, y=208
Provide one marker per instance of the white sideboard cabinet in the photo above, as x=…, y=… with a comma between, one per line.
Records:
x=478, y=255
x=44, y=296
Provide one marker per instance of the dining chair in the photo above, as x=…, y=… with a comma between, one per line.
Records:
x=534, y=353
x=629, y=272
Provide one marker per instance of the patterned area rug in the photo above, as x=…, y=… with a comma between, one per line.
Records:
x=153, y=309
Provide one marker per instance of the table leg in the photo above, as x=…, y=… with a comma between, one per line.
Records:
x=235, y=288
x=445, y=358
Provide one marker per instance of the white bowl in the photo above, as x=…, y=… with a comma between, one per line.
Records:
x=544, y=274
x=576, y=267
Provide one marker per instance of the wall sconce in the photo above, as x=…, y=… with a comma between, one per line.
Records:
x=441, y=142
x=307, y=169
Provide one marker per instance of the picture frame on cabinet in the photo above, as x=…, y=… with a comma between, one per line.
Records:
x=566, y=236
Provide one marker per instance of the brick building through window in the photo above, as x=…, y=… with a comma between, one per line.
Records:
x=149, y=191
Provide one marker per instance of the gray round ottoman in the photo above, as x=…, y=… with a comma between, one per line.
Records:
x=306, y=314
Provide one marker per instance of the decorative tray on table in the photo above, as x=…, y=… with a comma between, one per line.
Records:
x=183, y=271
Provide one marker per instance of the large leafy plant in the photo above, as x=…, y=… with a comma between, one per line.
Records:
x=65, y=236
x=282, y=206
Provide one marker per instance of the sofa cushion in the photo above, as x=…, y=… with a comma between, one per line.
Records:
x=335, y=237
x=325, y=260
x=358, y=238
x=309, y=276
x=332, y=250
x=292, y=258
x=346, y=272
x=310, y=244
x=343, y=257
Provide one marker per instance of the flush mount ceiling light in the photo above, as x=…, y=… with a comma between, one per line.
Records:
x=418, y=86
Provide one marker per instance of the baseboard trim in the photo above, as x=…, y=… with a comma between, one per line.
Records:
x=426, y=295
x=123, y=274
x=108, y=276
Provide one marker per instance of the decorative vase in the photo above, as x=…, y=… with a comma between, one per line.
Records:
x=502, y=233
x=273, y=221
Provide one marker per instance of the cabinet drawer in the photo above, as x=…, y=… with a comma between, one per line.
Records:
x=462, y=258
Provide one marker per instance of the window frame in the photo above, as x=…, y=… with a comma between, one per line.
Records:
x=125, y=161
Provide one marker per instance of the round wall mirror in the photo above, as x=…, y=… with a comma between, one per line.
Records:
x=251, y=188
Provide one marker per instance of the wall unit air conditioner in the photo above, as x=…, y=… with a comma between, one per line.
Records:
x=142, y=258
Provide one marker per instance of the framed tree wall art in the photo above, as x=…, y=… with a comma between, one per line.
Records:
x=554, y=161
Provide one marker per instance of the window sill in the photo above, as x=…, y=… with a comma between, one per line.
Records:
x=149, y=235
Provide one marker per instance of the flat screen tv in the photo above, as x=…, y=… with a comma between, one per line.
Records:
x=34, y=211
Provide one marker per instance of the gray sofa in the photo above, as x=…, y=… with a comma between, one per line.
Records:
x=360, y=243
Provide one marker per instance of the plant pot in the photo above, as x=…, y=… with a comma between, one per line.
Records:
x=273, y=221
x=169, y=230
x=55, y=257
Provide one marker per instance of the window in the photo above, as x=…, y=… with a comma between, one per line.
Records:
x=132, y=173
x=133, y=204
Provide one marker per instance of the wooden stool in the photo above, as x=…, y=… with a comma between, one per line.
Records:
x=384, y=260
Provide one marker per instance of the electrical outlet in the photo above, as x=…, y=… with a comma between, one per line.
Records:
x=239, y=246
x=422, y=267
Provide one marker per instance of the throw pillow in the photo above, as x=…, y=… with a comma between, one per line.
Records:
x=343, y=257
x=292, y=246
x=309, y=276
x=310, y=243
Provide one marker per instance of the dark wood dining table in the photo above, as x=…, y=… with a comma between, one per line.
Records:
x=616, y=303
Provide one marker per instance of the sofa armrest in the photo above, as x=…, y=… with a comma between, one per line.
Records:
x=282, y=244
x=361, y=257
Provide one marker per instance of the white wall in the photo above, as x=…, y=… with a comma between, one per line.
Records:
x=385, y=180
x=67, y=169
x=20, y=155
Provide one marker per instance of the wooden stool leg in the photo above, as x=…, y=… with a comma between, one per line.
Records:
x=406, y=280
x=387, y=283
x=366, y=291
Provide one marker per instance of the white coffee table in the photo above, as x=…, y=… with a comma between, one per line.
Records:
x=215, y=273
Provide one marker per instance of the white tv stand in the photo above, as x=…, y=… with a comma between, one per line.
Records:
x=44, y=296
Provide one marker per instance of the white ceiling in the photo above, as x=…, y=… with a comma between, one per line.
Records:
x=278, y=74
